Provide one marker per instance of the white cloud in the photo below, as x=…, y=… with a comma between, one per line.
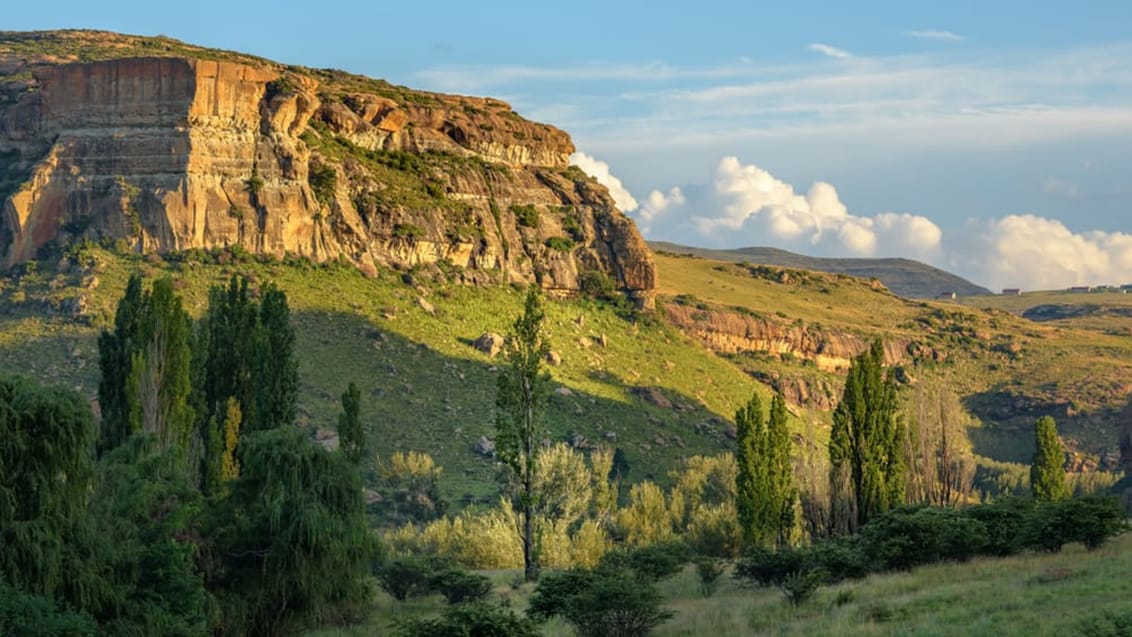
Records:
x=829, y=51
x=657, y=204
x=1039, y=253
x=599, y=170
x=752, y=205
x=942, y=36
x=1059, y=187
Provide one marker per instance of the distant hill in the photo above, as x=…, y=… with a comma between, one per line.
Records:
x=904, y=277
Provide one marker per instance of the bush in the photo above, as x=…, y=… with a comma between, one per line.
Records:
x=561, y=244
x=459, y=586
x=615, y=604
x=1107, y=624
x=653, y=562
x=478, y=618
x=801, y=585
x=555, y=589
x=708, y=569
x=526, y=215
x=909, y=536
x=1090, y=520
x=323, y=180
x=25, y=614
x=1004, y=522
x=771, y=568
x=407, y=577
x=840, y=558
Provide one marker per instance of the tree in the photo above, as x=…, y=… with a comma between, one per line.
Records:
x=523, y=389
x=941, y=470
x=291, y=539
x=277, y=371
x=159, y=387
x=1047, y=471
x=46, y=473
x=351, y=436
x=115, y=353
x=765, y=481
x=867, y=440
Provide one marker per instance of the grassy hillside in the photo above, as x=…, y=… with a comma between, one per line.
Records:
x=406, y=340
x=409, y=349
x=1033, y=595
x=904, y=277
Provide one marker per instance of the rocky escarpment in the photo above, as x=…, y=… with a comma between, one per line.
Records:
x=162, y=147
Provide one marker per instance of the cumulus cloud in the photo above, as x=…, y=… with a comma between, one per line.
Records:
x=599, y=170
x=750, y=202
x=829, y=51
x=941, y=36
x=746, y=205
x=1039, y=253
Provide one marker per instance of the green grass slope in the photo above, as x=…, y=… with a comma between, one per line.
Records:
x=409, y=349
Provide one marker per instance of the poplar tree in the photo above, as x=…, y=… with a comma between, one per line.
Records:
x=765, y=479
x=1047, y=471
x=276, y=369
x=115, y=353
x=523, y=389
x=351, y=436
x=867, y=439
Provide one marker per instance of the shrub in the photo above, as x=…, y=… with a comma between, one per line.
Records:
x=1107, y=624
x=323, y=180
x=459, y=586
x=800, y=586
x=708, y=569
x=840, y=558
x=555, y=589
x=653, y=562
x=1090, y=520
x=408, y=576
x=525, y=215
x=407, y=231
x=478, y=618
x=615, y=604
x=909, y=536
x=771, y=568
x=1004, y=521
x=561, y=244
x=22, y=613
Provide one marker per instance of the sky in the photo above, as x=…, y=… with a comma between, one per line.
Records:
x=992, y=139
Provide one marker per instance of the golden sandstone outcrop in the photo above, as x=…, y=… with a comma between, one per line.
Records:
x=169, y=147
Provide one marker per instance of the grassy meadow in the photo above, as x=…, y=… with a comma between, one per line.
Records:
x=1032, y=595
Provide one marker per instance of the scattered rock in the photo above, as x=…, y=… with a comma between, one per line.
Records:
x=611, y=436
x=731, y=432
x=654, y=396
x=577, y=441
x=553, y=358
x=564, y=391
x=485, y=447
x=489, y=343
x=584, y=342
x=426, y=306
x=603, y=340
x=328, y=438
x=580, y=321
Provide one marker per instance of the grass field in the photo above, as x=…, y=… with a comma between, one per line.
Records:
x=1033, y=595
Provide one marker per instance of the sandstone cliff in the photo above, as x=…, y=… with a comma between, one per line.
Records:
x=170, y=147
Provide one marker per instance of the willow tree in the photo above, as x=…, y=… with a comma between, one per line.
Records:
x=291, y=537
x=115, y=352
x=866, y=445
x=522, y=392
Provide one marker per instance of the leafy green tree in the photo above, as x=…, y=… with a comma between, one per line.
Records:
x=867, y=440
x=226, y=347
x=146, y=502
x=159, y=387
x=522, y=393
x=46, y=473
x=22, y=613
x=291, y=539
x=1047, y=471
x=765, y=490
x=351, y=436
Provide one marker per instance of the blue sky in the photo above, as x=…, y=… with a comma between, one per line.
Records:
x=992, y=139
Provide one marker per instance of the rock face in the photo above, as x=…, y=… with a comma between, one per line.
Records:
x=202, y=149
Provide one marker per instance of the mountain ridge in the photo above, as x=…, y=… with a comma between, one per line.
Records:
x=903, y=277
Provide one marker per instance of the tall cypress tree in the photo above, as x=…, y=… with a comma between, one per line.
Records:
x=351, y=436
x=1047, y=471
x=115, y=352
x=276, y=370
x=522, y=392
x=867, y=438
x=765, y=480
